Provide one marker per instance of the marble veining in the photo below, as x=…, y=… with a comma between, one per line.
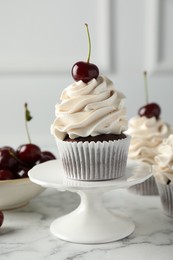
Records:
x=25, y=233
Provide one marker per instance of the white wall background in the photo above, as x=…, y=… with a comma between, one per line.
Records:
x=40, y=40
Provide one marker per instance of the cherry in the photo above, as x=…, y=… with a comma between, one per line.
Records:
x=7, y=158
x=150, y=110
x=6, y=174
x=85, y=71
x=28, y=153
x=49, y=154
x=8, y=148
x=46, y=156
x=1, y=218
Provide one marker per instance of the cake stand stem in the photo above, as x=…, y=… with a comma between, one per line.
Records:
x=91, y=203
x=91, y=222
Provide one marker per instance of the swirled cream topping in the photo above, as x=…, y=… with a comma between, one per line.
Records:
x=163, y=167
x=146, y=135
x=91, y=108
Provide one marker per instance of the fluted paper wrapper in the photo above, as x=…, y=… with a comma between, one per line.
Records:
x=90, y=161
x=146, y=188
x=166, y=197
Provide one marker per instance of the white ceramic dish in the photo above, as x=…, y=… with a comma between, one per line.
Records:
x=17, y=193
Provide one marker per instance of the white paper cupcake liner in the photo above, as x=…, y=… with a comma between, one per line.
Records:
x=166, y=197
x=148, y=187
x=92, y=161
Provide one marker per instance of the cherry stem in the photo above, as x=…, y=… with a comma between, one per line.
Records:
x=89, y=43
x=27, y=132
x=146, y=86
x=27, y=118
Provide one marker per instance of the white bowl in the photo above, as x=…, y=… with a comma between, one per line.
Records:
x=17, y=193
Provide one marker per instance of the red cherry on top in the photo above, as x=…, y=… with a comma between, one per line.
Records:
x=150, y=110
x=84, y=71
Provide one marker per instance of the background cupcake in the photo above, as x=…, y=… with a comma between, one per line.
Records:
x=163, y=173
x=147, y=131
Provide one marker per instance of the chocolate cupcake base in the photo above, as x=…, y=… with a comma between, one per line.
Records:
x=97, y=138
x=94, y=161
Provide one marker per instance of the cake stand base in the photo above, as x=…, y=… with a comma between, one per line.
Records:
x=91, y=222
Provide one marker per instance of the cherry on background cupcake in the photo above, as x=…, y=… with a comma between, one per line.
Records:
x=146, y=130
x=149, y=109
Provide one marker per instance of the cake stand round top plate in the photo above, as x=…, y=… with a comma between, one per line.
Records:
x=51, y=174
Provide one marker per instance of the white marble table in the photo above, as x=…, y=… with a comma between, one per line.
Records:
x=25, y=233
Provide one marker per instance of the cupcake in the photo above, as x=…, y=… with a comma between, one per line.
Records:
x=146, y=136
x=147, y=131
x=163, y=173
x=89, y=125
x=88, y=130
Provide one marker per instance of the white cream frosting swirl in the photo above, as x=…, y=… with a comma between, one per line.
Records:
x=146, y=135
x=163, y=168
x=90, y=109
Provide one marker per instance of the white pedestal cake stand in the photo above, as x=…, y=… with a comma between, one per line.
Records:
x=91, y=222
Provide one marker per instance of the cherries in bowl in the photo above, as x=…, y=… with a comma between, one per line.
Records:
x=16, y=189
x=12, y=162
